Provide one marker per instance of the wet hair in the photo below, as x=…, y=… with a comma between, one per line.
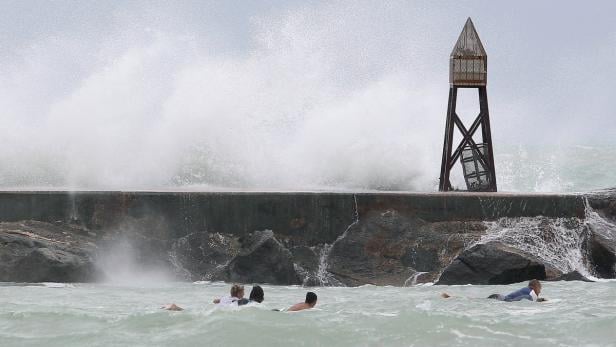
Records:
x=311, y=298
x=256, y=294
x=236, y=289
x=534, y=284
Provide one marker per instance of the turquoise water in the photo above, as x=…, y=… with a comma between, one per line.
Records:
x=577, y=314
x=555, y=168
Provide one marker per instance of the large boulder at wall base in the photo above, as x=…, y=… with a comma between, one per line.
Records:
x=571, y=276
x=601, y=247
x=202, y=255
x=390, y=247
x=33, y=251
x=601, y=242
x=604, y=202
x=492, y=263
x=306, y=260
x=261, y=259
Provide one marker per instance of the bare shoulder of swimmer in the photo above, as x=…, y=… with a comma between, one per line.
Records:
x=172, y=307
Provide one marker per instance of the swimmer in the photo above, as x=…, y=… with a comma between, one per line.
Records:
x=310, y=302
x=256, y=295
x=172, y=307
x=237, y=293
x=531, y=292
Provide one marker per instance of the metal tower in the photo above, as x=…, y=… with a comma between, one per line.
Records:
x=468, y=65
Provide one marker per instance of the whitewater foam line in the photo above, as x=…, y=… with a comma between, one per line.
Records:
x=324, y=277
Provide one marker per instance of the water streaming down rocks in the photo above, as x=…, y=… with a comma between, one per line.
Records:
x=33, y=251
x=515, y=249
x=308, y=238
x=323, y=274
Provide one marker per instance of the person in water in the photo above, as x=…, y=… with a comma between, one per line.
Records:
x=236, y=294
x=531, y=292
x=172, y=307
x=310, y=302
x=256, y=296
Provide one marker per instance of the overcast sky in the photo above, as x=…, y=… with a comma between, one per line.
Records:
x=298, y=70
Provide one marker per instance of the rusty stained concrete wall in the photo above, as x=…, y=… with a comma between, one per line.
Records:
x=315, y=217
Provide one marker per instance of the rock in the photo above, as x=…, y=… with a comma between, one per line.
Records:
x=611, y=210
x=552, y=273
x=261, y=259
x=492, y=263
x=306, y=257
x=44, y=252
x=604, y=203
x=601, y=247
x=306, y=260
x=202, y=255
x=572, y=276
x=601, y=243
x=420, y=277
x=387, y=247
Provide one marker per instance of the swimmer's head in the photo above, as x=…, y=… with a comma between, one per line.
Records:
x=237, y=291
x=311, y=299
x=535, y=285
x=256, y=294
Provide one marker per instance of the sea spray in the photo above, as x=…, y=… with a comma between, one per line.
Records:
x=324, y=277
x=597, y=223
x=178, y=268
x=602, y=245
x=202, y=255
x=559, y=242
x=121, y=262
x=555, y=241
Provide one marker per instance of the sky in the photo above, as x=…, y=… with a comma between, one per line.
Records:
x=285, y=93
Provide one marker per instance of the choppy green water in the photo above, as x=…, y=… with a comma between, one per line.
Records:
x=101, y=315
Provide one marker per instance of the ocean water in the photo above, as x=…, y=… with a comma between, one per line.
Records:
x=519, y=168
x=576, y=314
x=555, y=168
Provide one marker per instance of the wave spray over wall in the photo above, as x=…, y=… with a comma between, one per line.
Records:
x=301, y=103
x=198, y=96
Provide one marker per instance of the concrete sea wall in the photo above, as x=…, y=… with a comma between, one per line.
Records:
x=314, y=238
x=319, y=217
